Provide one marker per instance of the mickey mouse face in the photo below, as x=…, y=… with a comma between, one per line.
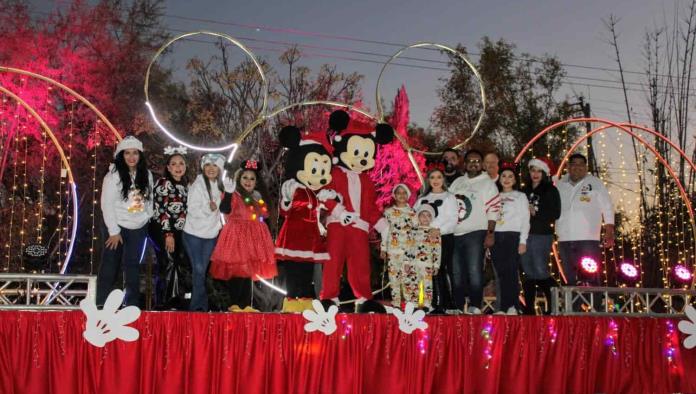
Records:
x=316, y=172
x=359, y=155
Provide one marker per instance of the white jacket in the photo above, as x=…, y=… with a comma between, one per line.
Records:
x=201, y=221
x=445, y=210
x=479, y=202
x=583, y=207
x=115, y=209
x=514, y=214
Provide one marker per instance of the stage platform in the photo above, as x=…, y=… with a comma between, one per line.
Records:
x=44, y=352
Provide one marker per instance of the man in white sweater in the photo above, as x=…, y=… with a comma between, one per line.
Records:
x=479, y=206
x=585, y=203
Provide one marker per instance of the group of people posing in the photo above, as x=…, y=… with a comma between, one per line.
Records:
x=435, y=244
x=484, y=209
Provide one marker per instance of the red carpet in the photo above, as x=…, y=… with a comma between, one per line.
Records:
x=44, y=352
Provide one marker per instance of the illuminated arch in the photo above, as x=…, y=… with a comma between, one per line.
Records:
x=73, y=93
x=625, y=128
x=66, y=164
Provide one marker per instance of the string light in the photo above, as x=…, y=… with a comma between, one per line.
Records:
x=487, y=334
x=95, y=194
x=423, y=339
x=612, y=337
x=670, y=351
x=347, y=328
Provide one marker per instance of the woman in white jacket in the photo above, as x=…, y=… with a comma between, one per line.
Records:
x=444, y=204
x=203, y=223
x=511, y=231
x=126, y=203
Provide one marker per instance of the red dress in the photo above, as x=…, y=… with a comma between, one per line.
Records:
x=244, y=247
x=299, y=238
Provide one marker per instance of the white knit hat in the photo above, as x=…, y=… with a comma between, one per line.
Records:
x=213, y=158
x=408, y=191
x=424, y=208
x=540, y=165
x=129, y=142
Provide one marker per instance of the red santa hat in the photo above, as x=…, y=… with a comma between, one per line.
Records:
x=341, y=123
x=541, y=163
x=316, y=137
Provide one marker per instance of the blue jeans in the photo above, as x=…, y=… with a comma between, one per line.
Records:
x=128, y=255
x=199, y=251
x=506, y=263
x=535, y=261
x=572, y=253
x=467, y=268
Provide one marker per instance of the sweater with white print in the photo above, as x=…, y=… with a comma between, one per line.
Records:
x=583, y=206
x=478, y=200
x=514, y=214
x=201, y=221
x=445, y=206
x=115, y=209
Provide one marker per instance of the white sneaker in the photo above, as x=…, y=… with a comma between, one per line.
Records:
x=499, y=313
x=512, y=311
x=473, y=310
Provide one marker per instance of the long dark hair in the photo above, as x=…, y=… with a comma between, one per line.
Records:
x=516, y=186
x=426, y=189
x=142, y=178
x=220, y=186
x=168, y=175
x=528, y=185
x=260, y=184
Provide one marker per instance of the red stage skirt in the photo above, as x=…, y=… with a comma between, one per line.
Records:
x=244, y=249
x=44, y=352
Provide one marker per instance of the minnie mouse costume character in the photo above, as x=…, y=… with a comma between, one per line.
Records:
x=301, y=240
x=349, y=224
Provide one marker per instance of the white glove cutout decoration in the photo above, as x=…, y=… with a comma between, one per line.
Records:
x=688, y=327
x=409, y=321
x=326, y=194
x=347, y=218
x=319, y=319
x=109, y=323
x=229, y=184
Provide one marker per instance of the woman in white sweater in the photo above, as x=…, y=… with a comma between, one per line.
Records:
x=126, y=204
x=203, y=223
x=444, y=203
x=511, y=231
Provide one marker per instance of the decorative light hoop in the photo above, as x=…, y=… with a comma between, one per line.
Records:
x=262, y=119
x=264, y=86
x=66, y=164
x=378, y=96
x=73, y=93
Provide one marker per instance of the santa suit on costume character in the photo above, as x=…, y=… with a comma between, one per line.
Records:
x=349, y=244
x=300, y=237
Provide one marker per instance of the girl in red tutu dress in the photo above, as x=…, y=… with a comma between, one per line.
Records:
x=244, y=248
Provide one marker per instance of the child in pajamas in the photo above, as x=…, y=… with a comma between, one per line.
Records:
x=398, y=239
x=423, y=260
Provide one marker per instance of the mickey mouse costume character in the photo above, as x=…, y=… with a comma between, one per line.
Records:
x=301, y=242
x=349, y=224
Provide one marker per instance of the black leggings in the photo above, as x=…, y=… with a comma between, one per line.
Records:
x=442, y=282
x=506, y=262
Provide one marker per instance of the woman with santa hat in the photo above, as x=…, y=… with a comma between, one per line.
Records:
x=544, y=210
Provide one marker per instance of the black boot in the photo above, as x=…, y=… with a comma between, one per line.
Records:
x=529, y=288
x=546, y=286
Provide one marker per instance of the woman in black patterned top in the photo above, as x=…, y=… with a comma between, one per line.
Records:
x=170, y=194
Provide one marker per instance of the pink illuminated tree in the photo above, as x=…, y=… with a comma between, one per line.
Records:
x=393, y=164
